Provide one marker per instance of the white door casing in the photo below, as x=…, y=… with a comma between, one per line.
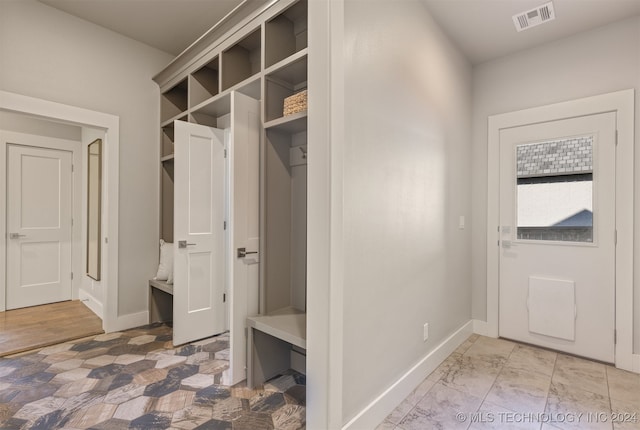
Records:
x=244, y=215
x=199, y=224
x=39, y=223
x=622, y=103
x=110, y=124
x=559, y=293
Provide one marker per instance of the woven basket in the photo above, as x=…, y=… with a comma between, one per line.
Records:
x=295, y=103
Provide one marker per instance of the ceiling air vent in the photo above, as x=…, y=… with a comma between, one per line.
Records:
x=533, y=17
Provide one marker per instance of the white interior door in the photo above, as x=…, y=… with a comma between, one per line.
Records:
x=557, y=235
x=200, y=276
x=244, y=148
x=39, y=226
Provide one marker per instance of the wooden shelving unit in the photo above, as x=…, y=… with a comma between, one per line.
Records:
x=266, y=60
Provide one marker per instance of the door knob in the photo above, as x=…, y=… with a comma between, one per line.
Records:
x=242, y=252
x=16, y=235
x=183, y=244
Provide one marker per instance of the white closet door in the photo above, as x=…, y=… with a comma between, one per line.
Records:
x=39, y=207
x=199, y=232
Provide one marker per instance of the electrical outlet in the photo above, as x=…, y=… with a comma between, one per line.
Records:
x=426, y=331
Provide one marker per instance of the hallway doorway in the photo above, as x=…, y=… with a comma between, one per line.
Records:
x=106, y=306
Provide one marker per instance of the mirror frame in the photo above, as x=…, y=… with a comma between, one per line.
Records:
x=94, y=200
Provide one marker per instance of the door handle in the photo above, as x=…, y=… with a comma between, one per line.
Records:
x=242, y=252
x=16, y=235
x=183, y=244
x=507, y=244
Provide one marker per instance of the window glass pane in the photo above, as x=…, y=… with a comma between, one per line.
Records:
x=555, y=190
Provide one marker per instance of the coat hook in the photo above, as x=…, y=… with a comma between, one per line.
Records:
x=304, y=152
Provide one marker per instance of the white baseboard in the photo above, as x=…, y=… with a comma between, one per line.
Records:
x=372, y=415
x=636, y=363
x=481, y=327
x=125, y=322
x=91, y=302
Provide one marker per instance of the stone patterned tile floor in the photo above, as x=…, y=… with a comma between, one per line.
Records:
x=497, y=384
x=135, y=379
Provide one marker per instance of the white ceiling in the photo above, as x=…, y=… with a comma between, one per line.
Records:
x=482, y=29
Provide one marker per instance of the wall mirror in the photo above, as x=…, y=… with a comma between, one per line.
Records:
x=94, y=209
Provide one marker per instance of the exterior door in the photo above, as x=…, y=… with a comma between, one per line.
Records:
x=200, y=276
x=557, y=235
x=39, y=225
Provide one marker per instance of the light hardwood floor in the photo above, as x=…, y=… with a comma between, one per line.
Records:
x=40, y=326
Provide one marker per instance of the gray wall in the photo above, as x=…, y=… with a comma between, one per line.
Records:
x=406, y=182
x=51, y=55
x=603, y=60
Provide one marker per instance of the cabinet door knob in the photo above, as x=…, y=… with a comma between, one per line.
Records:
x=183, y=244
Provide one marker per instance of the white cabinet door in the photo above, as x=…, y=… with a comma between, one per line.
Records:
x=199, y=232
x=244, y=150
x=39, y=207
x=557, y=217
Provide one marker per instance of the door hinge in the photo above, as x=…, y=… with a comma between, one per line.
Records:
x=72, y=168
x=72, y=276
x=615, y=237
x=71, y=222
x=225, y=153
x=224, y=225
x=615, y=337
x=224, y=298
x=616, y=137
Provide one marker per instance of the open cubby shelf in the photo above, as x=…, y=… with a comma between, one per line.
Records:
x=241, y=61
x=286, y=33
x=204, y=83
x=174, y=101
x=220, y=104
x=285, y=79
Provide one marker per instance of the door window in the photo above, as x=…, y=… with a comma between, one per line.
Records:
x=555, y=190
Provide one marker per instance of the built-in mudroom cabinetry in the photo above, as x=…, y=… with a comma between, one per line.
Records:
x=233, y=197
